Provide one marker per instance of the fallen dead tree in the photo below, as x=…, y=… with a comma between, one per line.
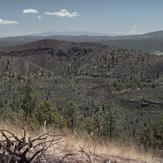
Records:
x=24, y=150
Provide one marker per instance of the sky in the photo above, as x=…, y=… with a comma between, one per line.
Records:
x=26, y=17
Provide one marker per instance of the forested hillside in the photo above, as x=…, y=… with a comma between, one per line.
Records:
x=109, y=92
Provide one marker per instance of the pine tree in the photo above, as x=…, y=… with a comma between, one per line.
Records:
x=105, y=121
x=48, y=112
x=72, y=115
x=29, y=100
x=152, y=136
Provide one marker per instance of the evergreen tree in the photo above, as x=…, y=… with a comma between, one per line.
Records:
x=72, y=115
x=152, y=136
x=48, y=112
x=106, y=121
x=29, y=101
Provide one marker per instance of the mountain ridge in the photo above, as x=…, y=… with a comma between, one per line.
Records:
x=150, y=42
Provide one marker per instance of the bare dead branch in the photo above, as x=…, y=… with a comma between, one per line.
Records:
x=65, y=156
x=88, y=156
x=24, y=150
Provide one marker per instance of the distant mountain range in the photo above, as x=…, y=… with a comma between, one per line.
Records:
x=151, y=42
x=75, y=33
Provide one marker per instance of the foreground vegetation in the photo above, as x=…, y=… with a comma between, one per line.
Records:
x=68, y=147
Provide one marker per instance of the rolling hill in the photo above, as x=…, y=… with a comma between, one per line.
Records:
x=89, y=73
x=150, y=42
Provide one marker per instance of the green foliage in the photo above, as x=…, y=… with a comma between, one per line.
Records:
x=29, y=101
x=72, y=115
x=88, y=124
x=104, y=122
x=152, y=135
x=48, y=112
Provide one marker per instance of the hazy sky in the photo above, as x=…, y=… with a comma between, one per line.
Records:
x=18, y=17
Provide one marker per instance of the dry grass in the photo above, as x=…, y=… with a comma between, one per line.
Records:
x=72, y=144
x=108, y=149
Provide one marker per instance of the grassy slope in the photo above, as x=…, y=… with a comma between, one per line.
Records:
x=97, y=150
